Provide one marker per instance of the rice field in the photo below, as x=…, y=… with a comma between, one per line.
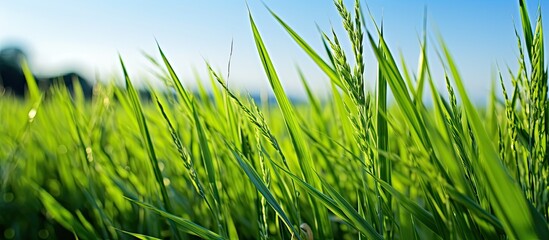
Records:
x=218, y=165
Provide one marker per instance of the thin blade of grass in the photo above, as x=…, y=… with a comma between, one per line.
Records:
x=526, y=27
x=208, y=160
x=33, y=89
x=418, y=212
x=181, y=91
x=330, y=72
x=264, y=190
x=305, y=161
x=339, y=206
x=183, y=224
x=143, y=128
x=139, y=236
x=382, y=130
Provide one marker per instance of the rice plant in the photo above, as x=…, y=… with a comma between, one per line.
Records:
x=189, y=165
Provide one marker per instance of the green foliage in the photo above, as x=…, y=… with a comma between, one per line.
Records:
x=225, y=167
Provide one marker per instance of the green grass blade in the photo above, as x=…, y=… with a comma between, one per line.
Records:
x=208, y=160
x=339, y=206
x=526, y=27
x=330, y=72
x=264, y=190
x=473, y=207
x=351, y=213
x=62, y=215
x=418, y=212
x=519, y=219
x=382, y=130
x=183, y=224
x=143, y=128
x=423, y=66
x=33, y=89
x=345, y=123
x=298, y=141
x=139, y=236
x=310, y=94
x=399, y=88
x=181, y=91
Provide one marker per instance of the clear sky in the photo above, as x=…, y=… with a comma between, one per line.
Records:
x=87, y=36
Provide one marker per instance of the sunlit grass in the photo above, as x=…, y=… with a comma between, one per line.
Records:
x=187, y=166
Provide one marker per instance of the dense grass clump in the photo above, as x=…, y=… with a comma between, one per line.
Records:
x=221, y=166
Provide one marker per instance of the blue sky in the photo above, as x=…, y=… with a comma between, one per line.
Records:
x=88, y=35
